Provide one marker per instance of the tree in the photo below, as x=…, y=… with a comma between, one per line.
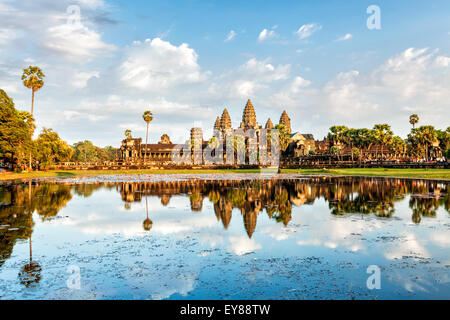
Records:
x=362, y=138
x=337, y=135
x=413, y=119
x=148, y=117
x=383, y=135
x=128, y=134
x=32, y=79
x=444, y=139
x=355, y=151
x=86, y=151
x=51, y=148
x=15, y=130
x=111, y=153
x=336, y=150
x=284, y=136
x=350, y=137
x=421, y=139
x=398, y=146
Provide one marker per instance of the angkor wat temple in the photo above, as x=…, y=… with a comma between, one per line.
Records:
x=132, y=150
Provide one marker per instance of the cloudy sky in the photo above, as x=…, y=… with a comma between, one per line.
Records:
x=187, y=60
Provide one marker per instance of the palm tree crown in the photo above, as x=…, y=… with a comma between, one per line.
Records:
x=147, y=116
x=413, y=119
x=32, y=78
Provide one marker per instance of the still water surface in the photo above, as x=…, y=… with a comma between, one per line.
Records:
x=224, y=237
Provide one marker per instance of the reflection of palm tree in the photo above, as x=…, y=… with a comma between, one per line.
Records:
x=31, y=272
x=147, y=224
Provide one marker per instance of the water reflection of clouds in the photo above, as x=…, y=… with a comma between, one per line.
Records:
x=242, y=245
x=441, y=238
x=406, y=245
x=178, y=223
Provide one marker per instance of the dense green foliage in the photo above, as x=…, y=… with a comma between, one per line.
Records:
x=51, y=148
x=419, y=142
x=85, y=151
x=16, y=128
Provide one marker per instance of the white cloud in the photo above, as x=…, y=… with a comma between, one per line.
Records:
x=262, y=70
x=6, y=35
x=71, y=115
x=230, y=36
x=442, y=61
x=298, y=84
x=307, y=30
x=245, y=88
x=80, y=79
x=74, y=42
x=93, y=4
x=266, y=35
x=343, y=95
x=348, y=36
x=245, y=81
x=43, y=25
x=156, y=64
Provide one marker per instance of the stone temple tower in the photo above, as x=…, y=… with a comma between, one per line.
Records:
x=249, y=117
x=286, y=121
x=269, y=124
x=225, y=121
x=217, y=124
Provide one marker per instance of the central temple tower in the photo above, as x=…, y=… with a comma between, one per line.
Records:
x=249, y=117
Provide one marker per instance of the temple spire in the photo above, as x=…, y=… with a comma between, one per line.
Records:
x=269, y=124
x=217, y=124
x=225, y=120
x=249, y=117
x=286, y=121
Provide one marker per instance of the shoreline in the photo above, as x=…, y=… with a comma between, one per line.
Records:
x=433, y=174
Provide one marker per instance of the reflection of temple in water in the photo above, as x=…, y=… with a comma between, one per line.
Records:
x=344, y=195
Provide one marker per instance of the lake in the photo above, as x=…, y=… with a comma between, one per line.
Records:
x=229, y=236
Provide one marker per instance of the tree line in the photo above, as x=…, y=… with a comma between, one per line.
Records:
x=424, y=142
x=17, y=145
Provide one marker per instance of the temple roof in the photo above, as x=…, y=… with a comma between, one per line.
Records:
x=249, y=116
x=285, y=120
x=217, y=124
x=225, y=120
x=269, y=124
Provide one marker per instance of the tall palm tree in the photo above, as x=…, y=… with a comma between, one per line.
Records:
x=413, y=119
x=32, y=79
x=148, y=117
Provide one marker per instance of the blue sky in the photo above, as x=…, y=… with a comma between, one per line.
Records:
x=187, y=60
